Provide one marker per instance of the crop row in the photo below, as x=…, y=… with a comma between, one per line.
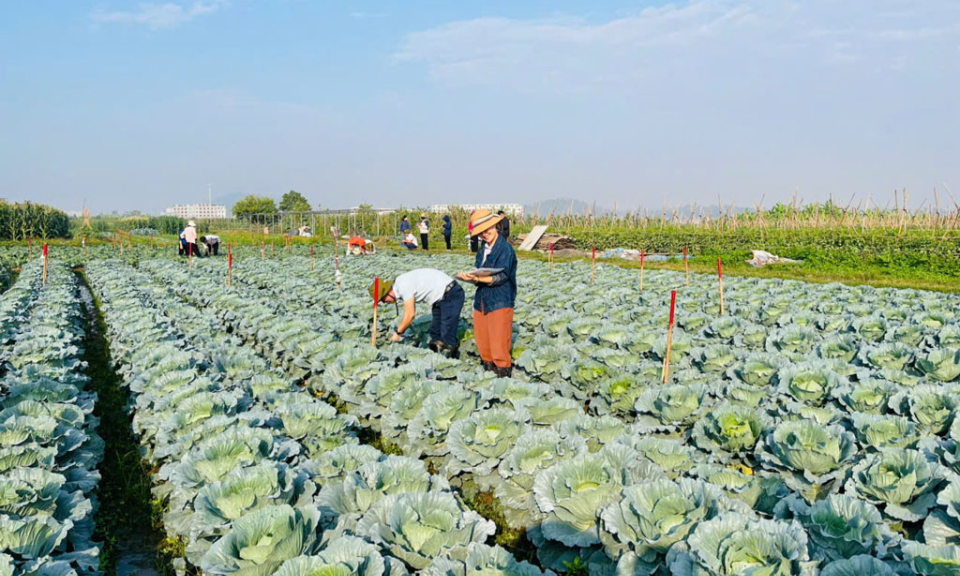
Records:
x=49, y=448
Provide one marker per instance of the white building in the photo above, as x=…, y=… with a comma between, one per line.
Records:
x=514, y=210
x=197, y=211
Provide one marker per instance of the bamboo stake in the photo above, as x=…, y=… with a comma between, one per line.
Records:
x=45, y=264
x=642, y=254
x=686, y=266
x=189, y=249
x=720, y=279
x=376, y=302
x=229, y=266
x=666, y=357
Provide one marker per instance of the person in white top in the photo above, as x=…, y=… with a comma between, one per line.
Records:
x=410, y=241
x=212, y=242
x=435, y=289
x=424, y=227
x=189, y=236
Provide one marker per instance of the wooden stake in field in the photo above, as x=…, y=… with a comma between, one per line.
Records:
x=666, y=357
x=311, y=257
x=686, y=266
x=720, y=280
x=642, y=254
x=189, y=249
x=336, y=270
x=550, y=251
x=593, y=270
x=376, y=302
x=229, y=267
x=45, y=264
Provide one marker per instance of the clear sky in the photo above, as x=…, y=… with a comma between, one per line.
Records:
x=138, y=105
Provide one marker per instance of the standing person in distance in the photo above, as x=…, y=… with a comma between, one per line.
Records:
x=474, y=240
x=189, y=236
x=404, y=226
x=424, y=227
x=447, y=230
x=435, y=289
x=496, y=295
x=503, y=227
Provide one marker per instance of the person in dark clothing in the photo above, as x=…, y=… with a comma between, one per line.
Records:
x=447, y=230
x=495, y=297
x=503, y=227
x=212, y=244
x=404, y=226
x=474, y=240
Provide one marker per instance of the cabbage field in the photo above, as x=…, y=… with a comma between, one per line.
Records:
x=809, y=430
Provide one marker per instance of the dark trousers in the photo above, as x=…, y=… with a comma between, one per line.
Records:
x=446, y=238
x=446, y=317
x=424, y=241
x=213, y=248
x=193, y=249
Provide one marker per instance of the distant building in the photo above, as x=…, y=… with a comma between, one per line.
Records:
x=197, y=211
x=515, y=210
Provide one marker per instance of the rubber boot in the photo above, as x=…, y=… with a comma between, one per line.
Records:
x=451, y=352
x=436, y=346
x=489, y=367
x=504, y=372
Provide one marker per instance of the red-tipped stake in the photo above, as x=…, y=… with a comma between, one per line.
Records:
x=376, y=301
x=550, y=249
x=229, y=265
x=189, y=249
x=666, y=357
x=686, y=266
x=45, y=264
x=336, y=269
x=642, y=254
x=593, y=270
x=720, y=279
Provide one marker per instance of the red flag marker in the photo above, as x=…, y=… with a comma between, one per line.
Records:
x=44, y=264
x=666, y=358
x=376, y=300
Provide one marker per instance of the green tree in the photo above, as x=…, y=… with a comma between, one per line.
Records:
x=247, y=206
x=294, y=201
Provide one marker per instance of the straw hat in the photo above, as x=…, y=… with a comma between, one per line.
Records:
x=191, y=223
x=385, y=287
x=482, y=220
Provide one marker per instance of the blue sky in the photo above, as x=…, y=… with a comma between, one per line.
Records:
x=138, y=105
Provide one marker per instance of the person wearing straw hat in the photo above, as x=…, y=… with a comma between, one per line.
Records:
x=496, y=294
x=189, y=236
x=435, y=289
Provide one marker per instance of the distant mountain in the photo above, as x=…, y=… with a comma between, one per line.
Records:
x=228, y=200
x=562, y=206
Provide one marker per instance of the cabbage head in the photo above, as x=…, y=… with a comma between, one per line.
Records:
x=884, y=432
x=550, y=411
x=810, y=456
x=840, y=526
x=259, y=542
x=942, y=526
x=676, y=405
x=942, y=365
x=730, y=429
x=870, y=396
x=420, y=527
x=903, y=481
x=482, y=560
x=859, y=566
x=932, y=560
x=619, y=394
x=345, y=556
x=890, y=356
x=931, y=407
x=758, y=369
x=735, y=545
x=537, y=449
x=838, y=347
x=808, y=382
x=714, y=359
x=794, y=342
x=649, y=518
x=755, y=489
x=598, y=432
x=479, y=441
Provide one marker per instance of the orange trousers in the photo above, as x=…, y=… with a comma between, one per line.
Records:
x=494, y=334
